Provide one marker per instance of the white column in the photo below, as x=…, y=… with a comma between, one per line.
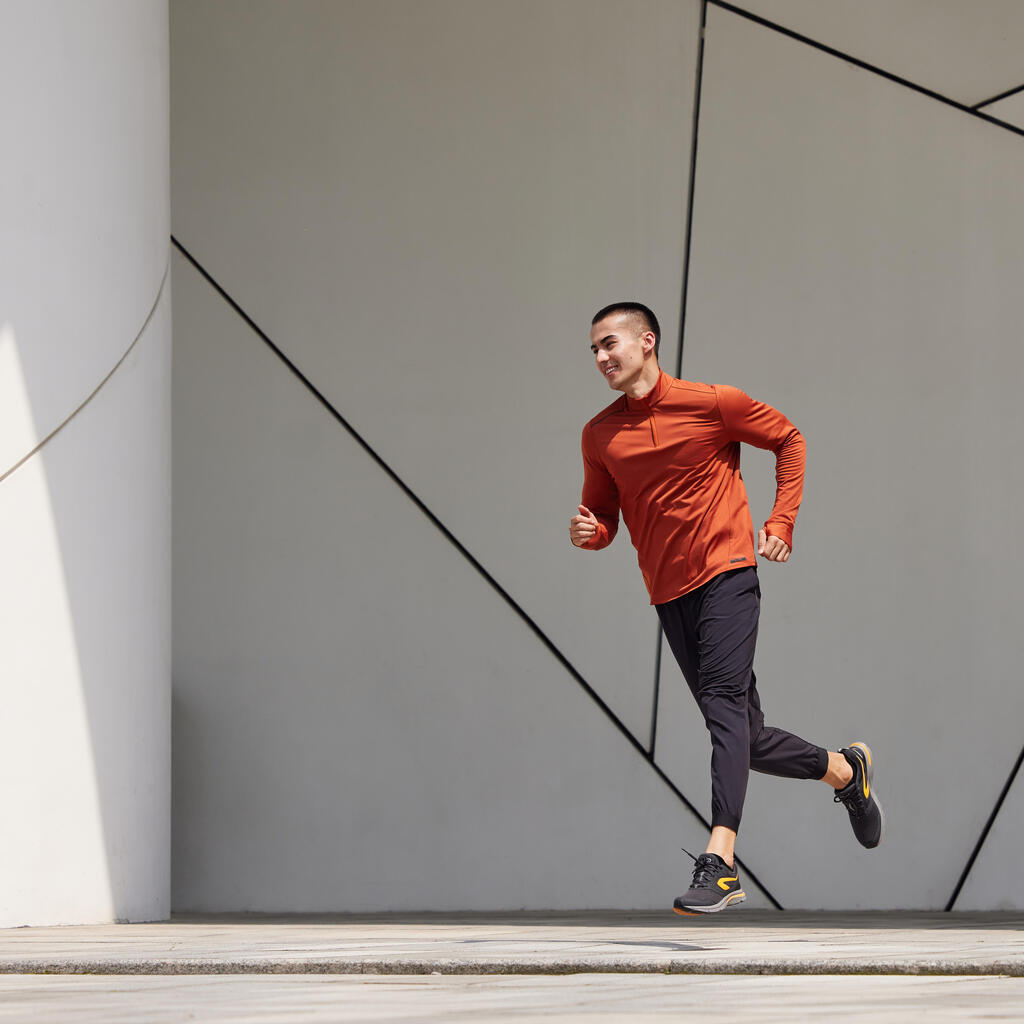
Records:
x=84, y=462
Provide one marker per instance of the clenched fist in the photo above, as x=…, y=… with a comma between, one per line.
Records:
x=774, y=549
x=582, y=526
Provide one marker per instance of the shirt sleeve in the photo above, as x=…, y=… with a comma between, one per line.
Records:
x=600, y=495
x=764, y=427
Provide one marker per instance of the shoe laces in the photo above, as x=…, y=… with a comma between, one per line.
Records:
x=851, y=800
x=705, y=869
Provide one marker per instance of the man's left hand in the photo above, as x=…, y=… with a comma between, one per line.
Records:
x=774, y=549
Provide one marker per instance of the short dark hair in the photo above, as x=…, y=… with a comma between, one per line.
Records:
x=637, y=309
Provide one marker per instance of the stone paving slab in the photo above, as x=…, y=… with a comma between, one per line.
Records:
x=740, y=942
x=573, y=999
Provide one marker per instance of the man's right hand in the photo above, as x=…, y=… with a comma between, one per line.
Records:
x=582, y=526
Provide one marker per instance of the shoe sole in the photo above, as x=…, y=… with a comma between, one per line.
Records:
x=870, y=772
x=734, y=897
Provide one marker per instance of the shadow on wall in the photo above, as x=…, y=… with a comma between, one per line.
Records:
x=47, y=746
x=84, y=460
x=87, y=642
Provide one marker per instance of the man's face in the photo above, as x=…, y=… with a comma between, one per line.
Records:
x=620, y=345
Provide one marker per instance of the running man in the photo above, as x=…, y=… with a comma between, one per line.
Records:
x=667, y=455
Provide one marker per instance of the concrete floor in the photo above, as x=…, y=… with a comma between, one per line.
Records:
x=733, y=942
x=462, y=998
x=755, y=966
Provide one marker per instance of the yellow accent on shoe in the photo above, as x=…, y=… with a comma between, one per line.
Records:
x=723, y=883
x=866, y=786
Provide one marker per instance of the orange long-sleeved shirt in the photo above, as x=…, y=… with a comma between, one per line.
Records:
x=671, y=462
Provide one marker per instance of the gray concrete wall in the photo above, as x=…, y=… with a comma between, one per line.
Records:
x=422, y=205
x=85, y=463
x=857, y=259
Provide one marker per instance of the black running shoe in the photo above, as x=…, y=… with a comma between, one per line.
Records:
x=860, y=798
x=715, y=886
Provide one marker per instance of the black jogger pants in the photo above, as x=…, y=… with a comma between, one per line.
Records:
x=712, y=632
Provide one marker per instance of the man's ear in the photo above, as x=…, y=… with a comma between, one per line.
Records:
x=648, y=340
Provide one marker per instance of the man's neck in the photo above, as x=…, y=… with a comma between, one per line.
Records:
x=644, y=384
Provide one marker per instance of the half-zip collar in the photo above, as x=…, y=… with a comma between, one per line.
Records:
x=653, y=397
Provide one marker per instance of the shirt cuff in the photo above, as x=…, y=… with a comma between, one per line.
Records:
x=780, y=530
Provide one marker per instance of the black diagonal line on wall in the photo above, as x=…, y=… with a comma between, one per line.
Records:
x=985, y=831
x=1002, y=96
x=691, y=186
x=544, y=639
x=699, y=78
x=857, y=62
x=657, y=691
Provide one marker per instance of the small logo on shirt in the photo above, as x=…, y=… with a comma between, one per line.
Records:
x=733, y=561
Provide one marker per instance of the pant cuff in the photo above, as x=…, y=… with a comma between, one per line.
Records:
x=726, y=819
x=821, y=765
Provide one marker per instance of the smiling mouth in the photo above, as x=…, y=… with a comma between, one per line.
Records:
x=610, y=370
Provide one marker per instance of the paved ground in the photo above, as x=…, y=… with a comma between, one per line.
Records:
x=319, y=999
x=751, y=942
x=755, y=966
